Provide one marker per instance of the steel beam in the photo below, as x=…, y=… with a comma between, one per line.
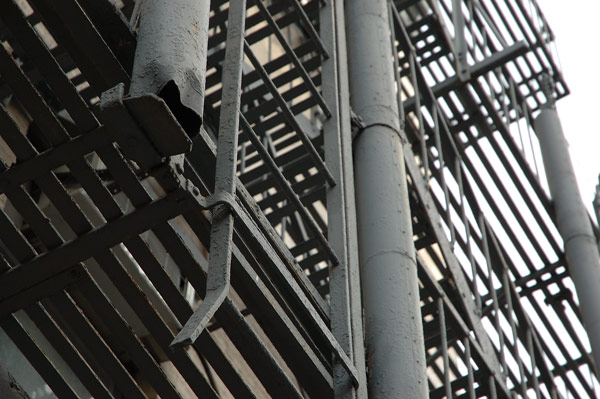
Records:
x=573, y=222
x=481, y=68
x=394, y=333
x=66, y=257
x=484, y=344
x=344, y=283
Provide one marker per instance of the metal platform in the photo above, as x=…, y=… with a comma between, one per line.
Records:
x=106, y=232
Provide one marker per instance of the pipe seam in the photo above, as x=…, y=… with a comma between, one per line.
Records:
x=404, y=254
x=578, y=236
x=375, y=124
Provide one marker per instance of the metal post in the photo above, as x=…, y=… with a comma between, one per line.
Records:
x=344, y=284
x=460, y=43
x=394, y=333
x=573, y=222
x=170, y=57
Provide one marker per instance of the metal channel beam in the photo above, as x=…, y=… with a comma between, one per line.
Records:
x=344, y=279
x=479, y=69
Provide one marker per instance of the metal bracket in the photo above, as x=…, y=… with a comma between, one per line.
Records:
x=210, y=202
x=144, y=127
x=170, y=175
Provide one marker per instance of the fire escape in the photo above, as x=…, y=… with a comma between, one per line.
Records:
x=178, y=201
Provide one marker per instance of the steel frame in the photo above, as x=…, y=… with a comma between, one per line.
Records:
x=110, y=240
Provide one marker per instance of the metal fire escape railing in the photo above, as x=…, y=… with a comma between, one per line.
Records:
x=498, y=306
x=101, y=253
x=111, y=240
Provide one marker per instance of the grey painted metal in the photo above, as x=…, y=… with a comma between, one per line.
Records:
x=426, y=198
x=573, y=222
x=291, y=281
x=269, y=241
x=271, y=277
x=345, y=311
x=219, y=271
x=484, y=345
x=479, y=69
x=290, y=53
x=66, y=256
x=9, y=387
x=597, y=204
x=354, y=288
x=170, y=57
x=310, y=29
x=494, y=247
x=460, y=43
x=444, y=343
x=288, y=190
x=289, y=116
x=394, y=333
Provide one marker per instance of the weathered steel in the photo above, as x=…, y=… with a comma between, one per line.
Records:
x=106, y=209
x=9, y=387
x=289, y=116
x=345, y=313
x=170, y=57
x=393, y=329
x=219, y=271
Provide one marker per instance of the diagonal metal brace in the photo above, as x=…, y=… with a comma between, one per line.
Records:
x=217, y=288
x=221, y=232
x=218, y=278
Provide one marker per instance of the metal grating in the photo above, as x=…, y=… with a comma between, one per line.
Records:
x=105, y=240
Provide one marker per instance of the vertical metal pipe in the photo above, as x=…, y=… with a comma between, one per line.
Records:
x=470, y=376
x=394, y=333
x=531, y=352
x=492, y=385
x=170, y=57
x=460, y=43
x=573, y=222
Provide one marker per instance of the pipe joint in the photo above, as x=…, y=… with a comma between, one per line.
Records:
x=363, y=128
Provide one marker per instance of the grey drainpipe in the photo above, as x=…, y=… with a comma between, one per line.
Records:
x=573, y=221
x=170, y=57
x=394, y=333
